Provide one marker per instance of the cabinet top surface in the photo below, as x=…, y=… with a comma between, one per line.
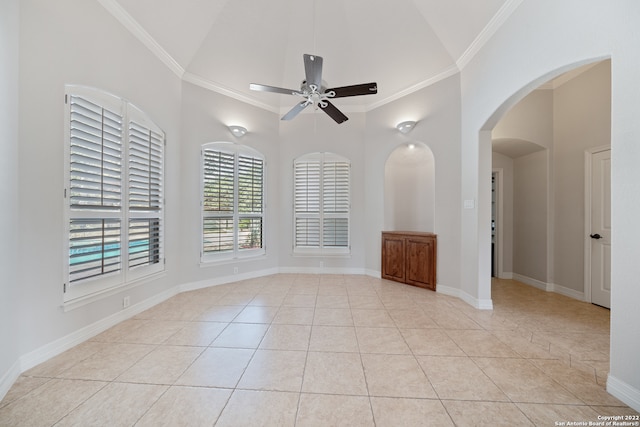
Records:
x=410, y=233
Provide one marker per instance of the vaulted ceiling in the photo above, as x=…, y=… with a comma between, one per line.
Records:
x=224, y=45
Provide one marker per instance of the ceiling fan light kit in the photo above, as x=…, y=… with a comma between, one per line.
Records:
x=314, y=91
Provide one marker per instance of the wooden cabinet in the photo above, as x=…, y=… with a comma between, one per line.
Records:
x=410, y=257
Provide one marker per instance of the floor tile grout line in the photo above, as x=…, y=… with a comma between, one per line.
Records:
x=304, y=369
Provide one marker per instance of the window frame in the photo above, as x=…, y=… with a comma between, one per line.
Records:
x=322, y=158
x=128, y=272
x=236, y=253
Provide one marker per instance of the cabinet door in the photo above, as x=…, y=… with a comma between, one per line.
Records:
x=420, y=267
x=393, y=255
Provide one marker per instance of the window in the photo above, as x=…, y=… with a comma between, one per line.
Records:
x=232, y=202
x=114, y=194
x=321, y=204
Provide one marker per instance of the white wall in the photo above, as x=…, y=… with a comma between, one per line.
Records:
x=78, y=42
x=569, y=119
x=409, y=189
x=530, y=216
x=314, y=131
x=541, y=40
x=206, y=116
x=530, y=122
x=437, y=110
x=9, y=213
x=582, y=120
x=64, y=41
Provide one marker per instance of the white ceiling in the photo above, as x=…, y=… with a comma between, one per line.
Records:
x=224, y=45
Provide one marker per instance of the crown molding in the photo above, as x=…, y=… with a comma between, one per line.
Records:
x=216, y=87
x=122, y=16
x=451, y=71
x=487, y=32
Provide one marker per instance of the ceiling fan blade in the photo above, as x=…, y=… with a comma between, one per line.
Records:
x=333, y=112
x=313, y=70
x=265, y=88
x=354, y=90
x=295, y=110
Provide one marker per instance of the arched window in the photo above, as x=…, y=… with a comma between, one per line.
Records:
x=114, y=193
x=321, y=204
x=232, y=201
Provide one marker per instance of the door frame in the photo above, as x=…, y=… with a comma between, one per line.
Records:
x=499, y=173
x=588, y=172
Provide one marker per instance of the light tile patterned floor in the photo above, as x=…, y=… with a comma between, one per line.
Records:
x=325, y=350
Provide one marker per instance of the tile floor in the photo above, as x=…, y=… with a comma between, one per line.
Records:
x=324, y=350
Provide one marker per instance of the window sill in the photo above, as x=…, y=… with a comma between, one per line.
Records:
x=97, y=296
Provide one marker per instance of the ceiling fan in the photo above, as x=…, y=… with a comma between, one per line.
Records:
x=314, y=92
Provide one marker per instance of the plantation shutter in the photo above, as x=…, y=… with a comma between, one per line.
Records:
x=250, y=201
x=95, y=183
x=218, y=204
x=321, y=202
x=307, y=176
x=335, y=198
x=146, y=153
x=114, y=195
x=232, y=201
x=96, y=156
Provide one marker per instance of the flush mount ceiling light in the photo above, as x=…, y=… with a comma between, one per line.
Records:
x=405, y=127
x=238, y=131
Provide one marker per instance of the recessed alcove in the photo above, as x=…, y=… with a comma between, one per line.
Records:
x=409, y=188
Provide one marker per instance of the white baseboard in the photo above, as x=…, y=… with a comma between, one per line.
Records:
x=47, y=351
x=624, y=392
x=507, y=275
x=480, y=304
x=216, y=281
x=321, y=270
x=9, y=378
x=568, y=292
x=533, y=282
x=373, y=273
x=550, y=287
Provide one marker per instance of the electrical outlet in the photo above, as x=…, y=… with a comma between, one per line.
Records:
x=235, y=270
x=126, y=302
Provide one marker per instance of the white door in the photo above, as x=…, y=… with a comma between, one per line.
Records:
x=600, y=235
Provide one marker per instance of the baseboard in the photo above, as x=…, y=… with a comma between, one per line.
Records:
x=533, y=282
x=9, y=378
x=46, y=352
x=550, y=287
x=373, y=273
x=192, y=286
x=568, y=292
x=624, y=392
x=480, y=304
x=322, y=270
x=506, y=275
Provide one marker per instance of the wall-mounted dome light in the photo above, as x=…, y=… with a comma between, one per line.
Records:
x=405, y=127
x=238, y=131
